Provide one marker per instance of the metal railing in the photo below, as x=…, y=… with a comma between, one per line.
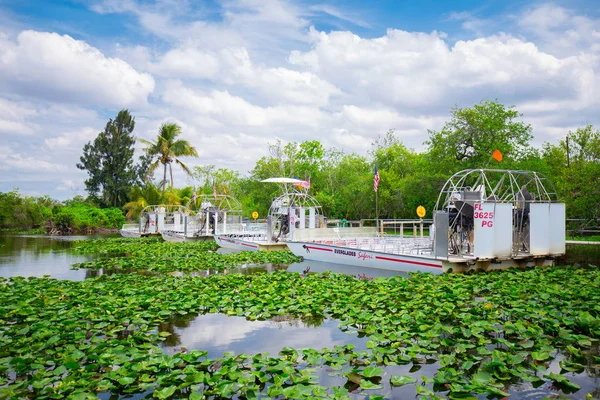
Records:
x=582, y=227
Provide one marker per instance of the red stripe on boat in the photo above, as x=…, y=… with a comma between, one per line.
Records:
x=408, y=262
x=249, y=245
x=317, y=248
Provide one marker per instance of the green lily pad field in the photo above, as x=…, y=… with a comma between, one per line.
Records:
x=449, y=336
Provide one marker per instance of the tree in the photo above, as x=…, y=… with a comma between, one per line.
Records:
x=576, y=175
x=166, y=148
x=108, y=161
x=471, y=136
x=142, y=197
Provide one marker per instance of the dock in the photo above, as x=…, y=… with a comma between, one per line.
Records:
x=582, y=242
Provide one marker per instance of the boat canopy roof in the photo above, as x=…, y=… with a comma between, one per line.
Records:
x=282, y=180
x=496, y=186
x=165, y=208
x=220, y=202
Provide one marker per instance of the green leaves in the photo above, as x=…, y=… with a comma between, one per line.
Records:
x=153, y=255
x=540, y=355
x=372, y=372
x=562, y=380
x=126, y=380
x=165, y=393
x=401, y=380
x=103, y=334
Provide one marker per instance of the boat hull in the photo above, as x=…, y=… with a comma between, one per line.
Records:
x=365, y=258
x=178, y=237
x=173, y=236
x=229, y=242
x=129, y=234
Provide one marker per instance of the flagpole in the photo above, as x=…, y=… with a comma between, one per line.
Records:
x=377, y=209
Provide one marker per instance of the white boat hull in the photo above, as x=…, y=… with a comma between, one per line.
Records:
x=365, y=258
x=129, y=234
x=173, y=236
x=229, y=242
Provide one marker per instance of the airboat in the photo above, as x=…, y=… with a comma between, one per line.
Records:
x=208, y=215
x=484, y=219
x=154, y=220
x=295, y=210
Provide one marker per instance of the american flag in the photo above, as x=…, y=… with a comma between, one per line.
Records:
x=215, y=191
x=376, y=180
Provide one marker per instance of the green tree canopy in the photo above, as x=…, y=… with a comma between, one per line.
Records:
x=471, y=136
x=108, y=161
x=576, y=172
x=165, y=150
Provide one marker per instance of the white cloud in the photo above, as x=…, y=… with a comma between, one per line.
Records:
x=137, y=56
x=419, y=71
x=279, y=84
x=60, y=68
x=73, y=140
x=23, y=163
x=67, y=184
x=561, y=31
x=14, y=116
x=186, y=63
x=340, y=14
x=232, y=110
x=257, y=23
x=253, y=72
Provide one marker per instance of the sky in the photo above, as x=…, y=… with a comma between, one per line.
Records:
x=237, y=75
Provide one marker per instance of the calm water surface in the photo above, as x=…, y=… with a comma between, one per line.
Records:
x=39, y=255
x=219, y=333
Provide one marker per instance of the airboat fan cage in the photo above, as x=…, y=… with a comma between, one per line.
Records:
x=294, y=200
x=295, y=209
x=496, y=186
x=165, y=208
x=492, y=213
x=220, y=202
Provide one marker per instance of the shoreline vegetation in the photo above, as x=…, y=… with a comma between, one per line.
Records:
x=38, y=215
x=341, y=182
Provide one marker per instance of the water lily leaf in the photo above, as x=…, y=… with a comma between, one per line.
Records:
x=540, y=355
x=401, y=380
x=355, y=377
x=424, y=391
x=126, y=380
x=571, y=366
x=562, y=380
x=165, y=393
x=481, y=378
x=371, y=372
x=368, y=385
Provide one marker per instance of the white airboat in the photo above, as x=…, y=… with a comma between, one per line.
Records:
x=206, y=216
x=154, y=220
x=483, y=219
x=293, y=211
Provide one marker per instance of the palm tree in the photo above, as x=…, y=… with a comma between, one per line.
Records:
x=167, y=148
x=142, y=197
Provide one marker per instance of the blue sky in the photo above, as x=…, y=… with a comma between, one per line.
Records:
x=240, y=74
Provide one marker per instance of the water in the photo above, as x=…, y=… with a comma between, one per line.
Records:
x=37, y=256
x=218, y=333
x=584, y=254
